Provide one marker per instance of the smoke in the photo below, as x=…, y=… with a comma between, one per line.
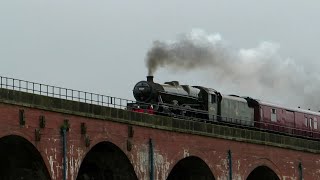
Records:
x=189, y=51
x=258, y=71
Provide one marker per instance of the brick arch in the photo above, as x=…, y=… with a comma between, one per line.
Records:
x=18, y=133
x=182, y=154
x=101, y=140
x=263, y=162
x=34, y=148
x=186, y=158
x=186, y=152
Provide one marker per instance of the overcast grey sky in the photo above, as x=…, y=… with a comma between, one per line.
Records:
x=100, y=46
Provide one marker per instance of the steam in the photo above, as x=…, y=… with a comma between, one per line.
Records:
x=258, y=71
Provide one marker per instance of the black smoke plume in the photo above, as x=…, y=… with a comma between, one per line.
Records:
x=258, y=71
x=186, y=53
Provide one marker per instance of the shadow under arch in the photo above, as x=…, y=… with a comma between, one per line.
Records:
x=263, y=173
x=106, y=161
x=19, y=159
x=191, y=168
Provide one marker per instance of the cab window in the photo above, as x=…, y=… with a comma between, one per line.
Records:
x=213, y=98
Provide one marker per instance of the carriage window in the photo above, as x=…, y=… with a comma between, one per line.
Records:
x=273, y=115
x=213, y=98
x=305, y=121
x=315, y=123
x=310, y=122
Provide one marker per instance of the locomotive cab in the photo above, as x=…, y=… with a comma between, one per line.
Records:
x=211, y=100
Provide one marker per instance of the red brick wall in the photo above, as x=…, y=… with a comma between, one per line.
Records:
x=169, y=147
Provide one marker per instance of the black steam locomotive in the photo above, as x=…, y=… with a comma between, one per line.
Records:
x=171, y=98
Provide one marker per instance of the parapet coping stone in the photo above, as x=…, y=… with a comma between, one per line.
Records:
x=98, y=112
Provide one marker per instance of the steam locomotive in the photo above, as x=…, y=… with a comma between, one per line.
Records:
x=174, y=99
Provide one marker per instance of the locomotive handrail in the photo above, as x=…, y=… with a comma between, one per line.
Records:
x=109, y=101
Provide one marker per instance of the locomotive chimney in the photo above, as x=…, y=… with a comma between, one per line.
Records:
x=150, y=78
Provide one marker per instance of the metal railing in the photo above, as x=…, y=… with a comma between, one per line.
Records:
x=63, y=93
x=109, y=101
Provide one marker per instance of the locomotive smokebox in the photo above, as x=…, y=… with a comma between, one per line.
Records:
x=150, y=78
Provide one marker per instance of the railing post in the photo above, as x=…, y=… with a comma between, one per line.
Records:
x=102, y=100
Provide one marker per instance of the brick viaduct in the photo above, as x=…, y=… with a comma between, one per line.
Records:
x=51, y=138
